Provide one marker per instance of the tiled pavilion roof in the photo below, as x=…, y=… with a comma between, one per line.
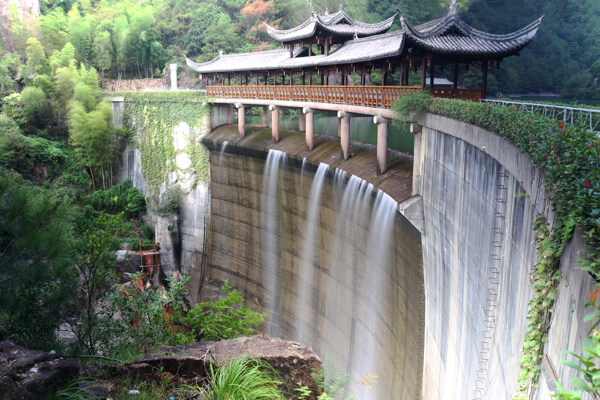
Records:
x=453, y=36
x=339, y=24
x=449, y=36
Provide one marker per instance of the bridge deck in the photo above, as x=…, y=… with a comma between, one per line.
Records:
x=396, y=181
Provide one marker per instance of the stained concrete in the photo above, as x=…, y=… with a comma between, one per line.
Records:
x=340, y=317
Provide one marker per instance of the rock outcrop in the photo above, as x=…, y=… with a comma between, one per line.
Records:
x=33, y=374
x=295, y=363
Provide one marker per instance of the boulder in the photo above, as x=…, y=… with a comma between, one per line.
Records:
x=33, y=374
x=295, y=363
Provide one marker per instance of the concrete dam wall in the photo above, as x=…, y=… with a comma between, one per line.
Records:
x=329, y=258
x=442, y=315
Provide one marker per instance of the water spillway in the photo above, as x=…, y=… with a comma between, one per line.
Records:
x=329, y=258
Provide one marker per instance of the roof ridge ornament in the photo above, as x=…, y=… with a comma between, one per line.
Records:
x=453, y=7
x=341, y=6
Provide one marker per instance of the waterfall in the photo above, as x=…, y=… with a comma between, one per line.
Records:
x=306, y=298
x=373, y=295
x=270, y=249
x=223, y=147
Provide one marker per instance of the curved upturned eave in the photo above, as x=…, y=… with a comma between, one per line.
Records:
x=317, y=22
x=469, y=41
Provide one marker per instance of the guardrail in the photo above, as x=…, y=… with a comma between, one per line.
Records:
x=587, y=116
x=366, y=96
x=462, y=94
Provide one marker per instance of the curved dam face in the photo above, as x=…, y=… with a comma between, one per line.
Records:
x=330, y=259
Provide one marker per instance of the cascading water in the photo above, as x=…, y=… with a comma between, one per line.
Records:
x=306, y=281
x=270, y=240
x=223, y=147
x=330, y=260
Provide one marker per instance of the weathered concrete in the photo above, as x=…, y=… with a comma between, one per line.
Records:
x=274, y=123
x=241, y=119
x=382, y=143
x=344, y=133
x=173, y=69
x=481, y=196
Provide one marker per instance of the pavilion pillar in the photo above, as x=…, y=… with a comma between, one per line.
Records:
x=310, y=50
x=265, y=117
x=362, y=75
x=423, y=73
x=455, y=83
x=431, y=77
x=302, y=122
x=228, y=80
x=303, y=78
x=326, y=46
x=484, y=79
x=310, y=127
x=383, y=74
x=291, y=78
x=230, y=115
x=241, y=121
x=310, y=82
x=257, y=75
x=382, y=143
x=274, y=123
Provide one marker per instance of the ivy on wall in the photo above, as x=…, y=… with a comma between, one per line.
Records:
x=570, y=158
x=152, y=117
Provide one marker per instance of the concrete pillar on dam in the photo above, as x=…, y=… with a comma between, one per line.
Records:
x=274, y=123
x=208, y=121
x=344, y=132
x=241, y=121
x=265, y=117
x=382, y=143
x=229, y=115
x=302, y=122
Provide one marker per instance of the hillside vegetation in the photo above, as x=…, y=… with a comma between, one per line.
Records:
x=131, y=38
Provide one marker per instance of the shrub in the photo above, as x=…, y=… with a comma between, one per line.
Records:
x=169, y=201
x=242, y=378
x=119, y=198
x=412, y=104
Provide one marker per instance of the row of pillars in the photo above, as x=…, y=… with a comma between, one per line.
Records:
x=307, y=125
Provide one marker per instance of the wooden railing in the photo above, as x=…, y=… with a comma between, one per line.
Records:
x=366, y=96
x=463, y=94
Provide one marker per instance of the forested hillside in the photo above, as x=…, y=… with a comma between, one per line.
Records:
x=134, y=38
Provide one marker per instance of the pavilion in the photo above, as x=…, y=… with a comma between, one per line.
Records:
x=345, y=45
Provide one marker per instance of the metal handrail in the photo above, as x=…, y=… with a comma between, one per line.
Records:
x=568, y=114
x=366, y=96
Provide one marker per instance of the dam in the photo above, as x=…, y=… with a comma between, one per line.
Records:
x=418, y=276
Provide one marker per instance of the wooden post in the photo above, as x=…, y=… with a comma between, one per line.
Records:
x=291, y=78
x=484, y=80
x=362, y=75
x=310, y=50
x=383, y=74
x=455, y=83
x=228, y=80
x=310, y=78
x=303, y=78
x=291, y=51
x=423, y=73
x=326, y=46
x=431, y=77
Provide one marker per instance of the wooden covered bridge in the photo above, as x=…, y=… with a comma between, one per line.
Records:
x=315, y=70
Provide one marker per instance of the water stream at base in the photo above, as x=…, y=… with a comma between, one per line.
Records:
x=354, y=272
x=306, y=281
x=270, y=241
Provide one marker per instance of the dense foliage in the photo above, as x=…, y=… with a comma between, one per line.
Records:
x=132, y=38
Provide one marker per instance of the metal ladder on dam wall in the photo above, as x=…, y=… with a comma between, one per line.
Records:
x=494, y=270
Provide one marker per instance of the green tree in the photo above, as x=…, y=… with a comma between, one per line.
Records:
x=103, y=52
x=53, y=32
x=35, y=54
x=36, y=275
